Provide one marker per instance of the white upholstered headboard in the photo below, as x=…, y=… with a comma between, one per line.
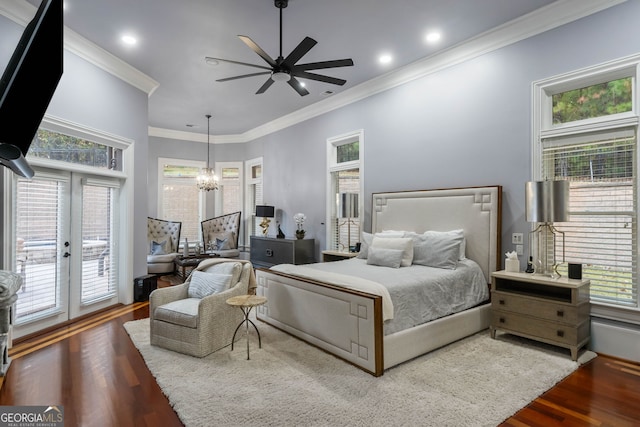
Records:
x=477, y=210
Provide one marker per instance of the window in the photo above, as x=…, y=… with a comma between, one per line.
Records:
x=229, y=195
x=178, y=197
x=586, y=133
x=65, y=148
x=254, y=196
x=345, y=183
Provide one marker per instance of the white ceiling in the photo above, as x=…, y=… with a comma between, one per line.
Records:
x=175, y=36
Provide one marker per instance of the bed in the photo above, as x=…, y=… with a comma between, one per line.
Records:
x=350, y=322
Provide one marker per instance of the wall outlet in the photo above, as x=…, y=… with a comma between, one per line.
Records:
x=519, y=249
x=517, y=238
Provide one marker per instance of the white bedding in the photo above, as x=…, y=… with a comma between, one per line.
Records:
x=418, y=293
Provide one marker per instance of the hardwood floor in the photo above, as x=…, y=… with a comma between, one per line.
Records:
x=93, y=370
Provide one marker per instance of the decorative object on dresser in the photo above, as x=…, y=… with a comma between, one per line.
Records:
x=347, y=210
x=280, y=233
x=546, y=202
x=554, y=311
x=268, y=251
x=299, y=218
x=265, y=212
x=207, y=179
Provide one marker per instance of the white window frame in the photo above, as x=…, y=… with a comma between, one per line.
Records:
x=161, y=181
x=543, y=128
x=249, y=207
x=221, y=182
x=333, y=166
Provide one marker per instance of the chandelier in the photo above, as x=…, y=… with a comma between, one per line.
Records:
x=207, y=180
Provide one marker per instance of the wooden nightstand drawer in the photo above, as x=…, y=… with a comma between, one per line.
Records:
x=542, y=309
x=540, y=329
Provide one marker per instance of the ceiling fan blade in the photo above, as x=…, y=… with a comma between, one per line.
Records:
x=324, y=64
x=265, y=86
x=236, y=62
x=300, y=50
x=297, y=86
x=318, y=77
x=257, y=49
x=243, y=76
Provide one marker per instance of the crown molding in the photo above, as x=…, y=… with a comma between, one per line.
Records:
x=554, y=15
x=22, y=12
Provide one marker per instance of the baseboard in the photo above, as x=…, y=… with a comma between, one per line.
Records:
x=618, y=339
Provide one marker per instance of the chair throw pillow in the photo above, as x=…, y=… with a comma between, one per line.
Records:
x=158, y=248
x=232, y=268
x=222, y=244
x=204, y=284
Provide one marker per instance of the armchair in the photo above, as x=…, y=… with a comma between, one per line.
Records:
x=163, y=238
x=199, y=326
x=224, y=230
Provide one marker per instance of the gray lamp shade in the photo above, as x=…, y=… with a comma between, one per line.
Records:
x=265, y=211
x=348, y=205
x=547, y=201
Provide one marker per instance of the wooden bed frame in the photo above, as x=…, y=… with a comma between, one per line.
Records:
x=348, y=323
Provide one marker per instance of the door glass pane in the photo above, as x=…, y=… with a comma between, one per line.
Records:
x=346, y=231
x=39, y=250
x=99, y=228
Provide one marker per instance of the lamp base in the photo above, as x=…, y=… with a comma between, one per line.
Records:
x=265, y=226
x=545, y=237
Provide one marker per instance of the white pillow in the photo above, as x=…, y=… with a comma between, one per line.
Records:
x=203, y=284
x=454, y=234
x=367, y=239
x=436, y=249
x=233, y=268
x=403, y=243
x=385, y=257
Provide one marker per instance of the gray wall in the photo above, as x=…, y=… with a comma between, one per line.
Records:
x=467, y=125
x=92, y=97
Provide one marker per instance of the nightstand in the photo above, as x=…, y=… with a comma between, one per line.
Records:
x=329, y=255
x=554, y=311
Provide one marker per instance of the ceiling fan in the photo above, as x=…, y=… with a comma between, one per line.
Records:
x=286, y=69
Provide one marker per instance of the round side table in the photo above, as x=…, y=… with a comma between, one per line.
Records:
x=246, y=303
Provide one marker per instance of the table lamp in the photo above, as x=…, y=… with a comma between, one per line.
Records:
x=265, y=212
x=546, y=202
x=347, y=209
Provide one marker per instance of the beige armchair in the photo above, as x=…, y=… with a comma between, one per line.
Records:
x=163, y=238
x=225, y=230
x=199, y=326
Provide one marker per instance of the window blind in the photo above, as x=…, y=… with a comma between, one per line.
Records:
x=38, y=257
x=602, y=231
x=99, y=250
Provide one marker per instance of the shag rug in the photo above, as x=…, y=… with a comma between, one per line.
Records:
x=477, y=381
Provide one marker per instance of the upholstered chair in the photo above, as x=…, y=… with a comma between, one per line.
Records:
x=186, y=321
x=163, y=238
x=220, y=234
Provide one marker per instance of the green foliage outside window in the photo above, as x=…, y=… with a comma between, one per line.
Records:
x=598, y=100
x=65, y=148
x=348, y=152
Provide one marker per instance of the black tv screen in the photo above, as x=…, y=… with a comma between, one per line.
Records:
x=28, y=83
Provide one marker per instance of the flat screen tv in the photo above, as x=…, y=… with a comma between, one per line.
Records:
x=28, y=83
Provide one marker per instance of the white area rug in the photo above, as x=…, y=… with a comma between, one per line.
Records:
x=477, y=381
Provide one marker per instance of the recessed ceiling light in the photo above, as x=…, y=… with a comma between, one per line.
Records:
x=191, y=125
x=211, y=61
x=129, y=39
x=327, y=93
x=385, y=58
x=432, y=37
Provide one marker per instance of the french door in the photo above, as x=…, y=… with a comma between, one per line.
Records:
x=66, y=247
